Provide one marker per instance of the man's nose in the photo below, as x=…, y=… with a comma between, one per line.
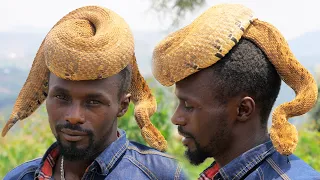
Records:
x=75, y=114
x=178, y=118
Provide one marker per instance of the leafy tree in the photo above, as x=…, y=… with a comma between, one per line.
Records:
x=175, y=10
x=315, y=114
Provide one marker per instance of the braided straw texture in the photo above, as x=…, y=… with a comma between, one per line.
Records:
x=200, y=44
x=212, y=35
x=89, y=43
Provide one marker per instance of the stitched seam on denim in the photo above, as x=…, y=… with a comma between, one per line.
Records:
x=26, y=172
x=43, y=175
x=92, y=176
x=260, y=173
x=277, y=169
x=260, y=157
x=25, y=163
x=252, y=164
x=86, y=176
x=141, y=167
x=177, y=174
x=116, y=156
x=247, y=166
x=223, y=174
x=150, y=152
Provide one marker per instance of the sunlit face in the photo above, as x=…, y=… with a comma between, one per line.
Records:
x=83, y=114
x=202, y=119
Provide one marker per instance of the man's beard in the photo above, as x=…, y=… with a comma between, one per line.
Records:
x=197, y=156
x=215, y=147
x=71, y=152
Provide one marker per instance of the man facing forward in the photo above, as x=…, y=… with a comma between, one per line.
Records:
x=87, y=72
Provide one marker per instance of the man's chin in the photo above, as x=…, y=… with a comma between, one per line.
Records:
x=73, y=153
x=195, y=157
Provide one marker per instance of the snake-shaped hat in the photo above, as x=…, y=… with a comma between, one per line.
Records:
x=212, y=35
x=89, y=43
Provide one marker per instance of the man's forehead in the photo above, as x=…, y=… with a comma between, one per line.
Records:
x=106, y=82
x=201, y=79
x=196, y=85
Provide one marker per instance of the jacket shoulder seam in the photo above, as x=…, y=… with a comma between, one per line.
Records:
x=149, y=152
x=277, y=169
x=28, y=170
x=177, y=173
x=260, y=172
x=142, y=167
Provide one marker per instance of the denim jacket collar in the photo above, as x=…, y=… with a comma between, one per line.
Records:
x=108, y=158
x=51, y=148
x=240, y=166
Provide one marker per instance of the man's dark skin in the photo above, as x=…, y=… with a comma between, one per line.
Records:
x=91, y=107
x=222, y=129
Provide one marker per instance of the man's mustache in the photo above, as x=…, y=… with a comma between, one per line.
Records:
x=185, y=133
x=74, y=127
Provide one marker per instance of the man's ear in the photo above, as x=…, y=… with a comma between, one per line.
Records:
x=124, y=104
x=246, y=108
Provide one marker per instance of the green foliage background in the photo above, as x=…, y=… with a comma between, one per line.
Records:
x=30, y=138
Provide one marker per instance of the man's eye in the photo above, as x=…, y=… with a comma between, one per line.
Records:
x=61, y=97
x=93, y=102
x=187, y=106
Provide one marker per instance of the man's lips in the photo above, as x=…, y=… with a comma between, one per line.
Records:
x=71, y=135
x=185, y=138
x=73, y=132
x=183, y=135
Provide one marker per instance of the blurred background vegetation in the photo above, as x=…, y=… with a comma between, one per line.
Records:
x=30, y=138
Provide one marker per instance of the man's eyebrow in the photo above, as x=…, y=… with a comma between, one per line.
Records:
x=98, y=96
x=181, y=96
x=60, y=89
x=95, y=95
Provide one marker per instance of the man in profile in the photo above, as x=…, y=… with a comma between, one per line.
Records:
x=227, y=67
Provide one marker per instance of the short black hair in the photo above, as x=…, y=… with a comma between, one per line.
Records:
x=125, y=79
x=246, y=69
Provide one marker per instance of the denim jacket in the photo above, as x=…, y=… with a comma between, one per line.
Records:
x=264, y=162
x=121, y=160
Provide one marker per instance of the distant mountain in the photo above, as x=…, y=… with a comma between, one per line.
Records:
x=306, y=45
x=17, y=51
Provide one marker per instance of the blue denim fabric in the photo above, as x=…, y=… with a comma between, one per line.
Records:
x=264, y=162
x=121, y=160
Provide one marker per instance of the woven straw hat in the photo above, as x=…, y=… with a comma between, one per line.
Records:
x=212, y=35
x=89, y=43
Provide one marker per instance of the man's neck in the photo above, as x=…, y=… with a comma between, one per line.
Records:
x=72, y=169
x=239, y=147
